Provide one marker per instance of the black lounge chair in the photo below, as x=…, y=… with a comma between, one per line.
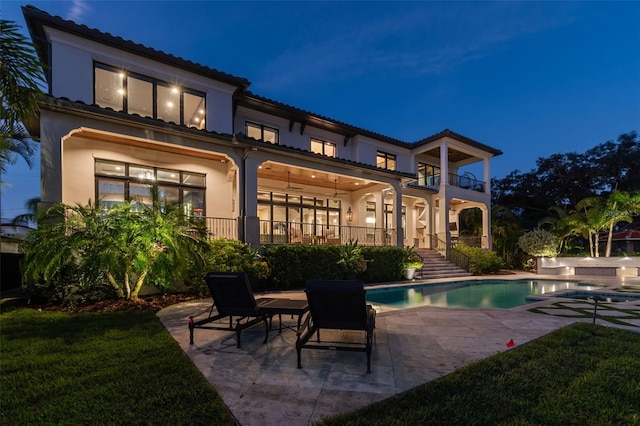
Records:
x=232, y=297
x=337, y=305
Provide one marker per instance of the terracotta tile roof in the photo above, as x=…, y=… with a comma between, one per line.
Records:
x=37, y=18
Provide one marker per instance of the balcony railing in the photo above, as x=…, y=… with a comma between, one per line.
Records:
x=280, y=232
x=465, y=181
x=220, y=227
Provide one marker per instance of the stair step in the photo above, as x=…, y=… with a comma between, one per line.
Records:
x=437, y=266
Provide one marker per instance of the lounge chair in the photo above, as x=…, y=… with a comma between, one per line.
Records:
x=232, y=297
x=337, y=305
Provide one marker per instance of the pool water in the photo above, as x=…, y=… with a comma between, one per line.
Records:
x=470, y=294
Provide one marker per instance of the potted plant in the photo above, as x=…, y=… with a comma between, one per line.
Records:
x=411, y=262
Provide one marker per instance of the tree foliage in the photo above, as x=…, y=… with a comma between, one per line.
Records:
x=539, y=243
x=564, y=179
x=20, y=74
x=88, y=248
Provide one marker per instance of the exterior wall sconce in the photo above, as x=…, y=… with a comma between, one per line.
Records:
x=349, y=215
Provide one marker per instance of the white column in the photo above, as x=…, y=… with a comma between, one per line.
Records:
x=397, y=213
x=486, y=176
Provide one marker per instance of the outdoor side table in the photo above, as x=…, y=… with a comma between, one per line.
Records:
x=287, y=307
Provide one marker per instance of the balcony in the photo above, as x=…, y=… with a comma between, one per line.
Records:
x=464, y=181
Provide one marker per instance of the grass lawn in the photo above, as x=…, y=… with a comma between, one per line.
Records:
x=124, y=368
x=99, y=368
x=579, y=375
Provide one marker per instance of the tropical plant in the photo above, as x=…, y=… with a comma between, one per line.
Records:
x=621, y=206
x=27, y=218
x=352, y=260
x=20, y=74
x=591, y=219
x=506, y=229
x=411, y=258
x=539, y=243
x=89, y=247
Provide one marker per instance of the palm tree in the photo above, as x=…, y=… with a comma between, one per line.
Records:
x=32, y=207
x=20, y=74
x=122, y=247
x=620, y=207
x=592, y=219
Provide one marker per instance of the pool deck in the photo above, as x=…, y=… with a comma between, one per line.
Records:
x=262, y=386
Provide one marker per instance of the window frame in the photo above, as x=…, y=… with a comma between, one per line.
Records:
x=155, y=82
x=387, y=157
x=324, y=144
x=262, y=128
x=127, y=179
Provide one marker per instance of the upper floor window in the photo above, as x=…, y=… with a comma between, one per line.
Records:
x=385, y=160
x=147, y=97
x=428, y=175
x=323, y=147
x=261, y=132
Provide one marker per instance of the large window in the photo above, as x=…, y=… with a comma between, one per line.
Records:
x=385, y=160
x=428, y=175
x=117, y=182
x=323, y=147
x=284, y=214
x=370, y=219
x=261, y=132
x=136, y=94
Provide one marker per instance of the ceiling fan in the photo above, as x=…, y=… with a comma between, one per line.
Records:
x=289, y=182
x=335, y=189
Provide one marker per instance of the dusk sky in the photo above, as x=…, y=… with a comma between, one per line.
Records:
x=529, y=78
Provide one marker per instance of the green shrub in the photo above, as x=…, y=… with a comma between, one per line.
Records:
x=539, y=243
x=384, y=264
x=224, y=255
x=480, y=261
x=292, y=265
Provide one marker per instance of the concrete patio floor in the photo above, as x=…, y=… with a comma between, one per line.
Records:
x=262, y=386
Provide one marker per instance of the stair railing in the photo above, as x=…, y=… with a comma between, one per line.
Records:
x=450, y=253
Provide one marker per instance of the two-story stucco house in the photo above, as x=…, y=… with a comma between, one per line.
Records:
x=120, y=117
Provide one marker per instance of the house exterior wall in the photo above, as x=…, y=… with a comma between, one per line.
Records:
x=68, y=157
x=72, y=75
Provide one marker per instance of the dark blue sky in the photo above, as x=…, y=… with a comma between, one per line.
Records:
x=529, y=78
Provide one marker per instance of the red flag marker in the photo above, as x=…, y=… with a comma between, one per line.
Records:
x=511, y=343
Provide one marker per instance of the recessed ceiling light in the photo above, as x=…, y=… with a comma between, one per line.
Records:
x=313, y=176
x=174, y=90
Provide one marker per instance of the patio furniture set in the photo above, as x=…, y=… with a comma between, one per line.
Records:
x=330, y=305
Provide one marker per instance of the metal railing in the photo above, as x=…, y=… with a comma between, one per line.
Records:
x=221, y=227
x=450, y=253
x=281, y=232
x=465, y=181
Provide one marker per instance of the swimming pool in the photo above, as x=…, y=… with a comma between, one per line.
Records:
x=502, y=294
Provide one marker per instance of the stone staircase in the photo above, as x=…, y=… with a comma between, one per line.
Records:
x=437, y=266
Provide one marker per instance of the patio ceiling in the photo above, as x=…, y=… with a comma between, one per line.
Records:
x=317, y=178
x=454, y=155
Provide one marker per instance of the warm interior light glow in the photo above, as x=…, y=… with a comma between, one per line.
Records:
x=170, y=104
x=371, y=220
x=174, y=90
x=121, y=91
